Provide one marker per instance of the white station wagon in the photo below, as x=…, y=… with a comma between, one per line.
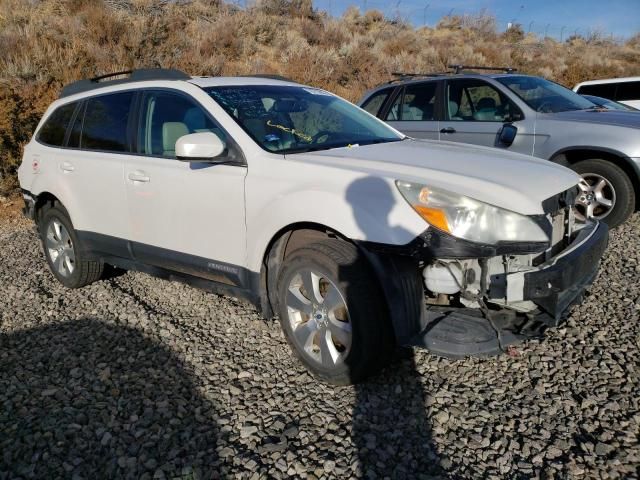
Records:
x=356, y=236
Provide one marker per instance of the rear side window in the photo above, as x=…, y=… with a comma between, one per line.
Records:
x=76, y=129
x=418, y=103
x=374, y=102
x=628, y=91
x=55, y=127
x=604, y=90
x=105, y=123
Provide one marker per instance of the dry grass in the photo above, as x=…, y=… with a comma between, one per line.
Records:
x=48, y=43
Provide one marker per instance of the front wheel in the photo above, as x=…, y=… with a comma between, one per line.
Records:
x=606, y=192
x=332, y=312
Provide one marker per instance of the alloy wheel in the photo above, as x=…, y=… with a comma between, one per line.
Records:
x=319, y=318
x=597, y=197
x=60, y=248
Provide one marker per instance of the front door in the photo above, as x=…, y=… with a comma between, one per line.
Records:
x=188, y=217
x=475, y=112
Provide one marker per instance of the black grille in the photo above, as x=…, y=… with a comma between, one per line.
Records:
x=560, y=201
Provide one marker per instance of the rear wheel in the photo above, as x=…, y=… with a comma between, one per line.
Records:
x=67, y=260
x=332, y=313
x=606, y=192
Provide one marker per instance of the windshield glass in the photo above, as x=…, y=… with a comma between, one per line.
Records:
x=545, y=96
x=292, y=119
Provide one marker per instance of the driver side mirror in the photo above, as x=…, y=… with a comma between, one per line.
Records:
x=201, y=147
x=507, y=134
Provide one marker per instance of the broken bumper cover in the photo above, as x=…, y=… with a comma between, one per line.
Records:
x=560, y=282
x=29, y=209
x=458, y=331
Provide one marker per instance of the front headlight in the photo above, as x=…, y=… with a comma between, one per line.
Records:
x=470, y=219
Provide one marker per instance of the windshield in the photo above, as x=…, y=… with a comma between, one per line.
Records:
x=610, y=104
x=545, y=96
x=292, y=119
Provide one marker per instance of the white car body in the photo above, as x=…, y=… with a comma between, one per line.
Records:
x=610, y=88
x=219, y=223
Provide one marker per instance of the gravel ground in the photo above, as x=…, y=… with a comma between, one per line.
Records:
x=139, y=377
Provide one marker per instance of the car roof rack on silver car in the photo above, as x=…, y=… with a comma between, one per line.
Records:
x=455, y=70
x=400, y=76
x=124, y=76
x=461, y=68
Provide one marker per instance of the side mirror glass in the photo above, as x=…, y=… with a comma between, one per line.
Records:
x=200, y=147
x=507, y=134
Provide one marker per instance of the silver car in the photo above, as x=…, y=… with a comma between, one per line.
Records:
x=529, y=115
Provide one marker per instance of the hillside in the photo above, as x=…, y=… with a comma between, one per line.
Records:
x=51, y=42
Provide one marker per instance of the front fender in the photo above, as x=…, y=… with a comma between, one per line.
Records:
x=362, y=209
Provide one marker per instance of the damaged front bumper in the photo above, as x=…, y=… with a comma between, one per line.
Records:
x=507, y=292
x=559, y=282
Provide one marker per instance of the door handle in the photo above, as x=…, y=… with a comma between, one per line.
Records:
x=66, y=167
x=139, y=176
x=448, y=130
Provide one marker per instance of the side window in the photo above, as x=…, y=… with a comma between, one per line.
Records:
x=76, y=128
x=628, y=91
x=105, y=122
x=418, y=102
x=604, y=90
x=375, y=102
x=167, y=116
x=476, y=100
x=394, y=112
x=55, y=127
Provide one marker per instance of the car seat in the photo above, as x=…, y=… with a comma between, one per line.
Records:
x=171, y=132
x=453, y=111
x=486, y=110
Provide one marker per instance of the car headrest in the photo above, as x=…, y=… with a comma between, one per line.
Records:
x=487, y=103
x=171, y=132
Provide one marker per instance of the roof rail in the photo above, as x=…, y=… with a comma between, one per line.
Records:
x=460, y=68
x=129, y=76
x=403, y=76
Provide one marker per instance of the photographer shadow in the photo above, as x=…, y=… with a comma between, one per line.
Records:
x=390, y=426
x=88, y=397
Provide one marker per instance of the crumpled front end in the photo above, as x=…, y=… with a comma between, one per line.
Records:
x=480, y=298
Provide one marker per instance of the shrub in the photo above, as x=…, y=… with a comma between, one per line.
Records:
x=47, y=43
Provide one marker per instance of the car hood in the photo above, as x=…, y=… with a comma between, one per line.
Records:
x=508, y=180
x=600, y=116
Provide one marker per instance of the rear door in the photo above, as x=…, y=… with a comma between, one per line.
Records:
x=91, y=167
x=414, y=110
x=475, y=112
x=188, y=217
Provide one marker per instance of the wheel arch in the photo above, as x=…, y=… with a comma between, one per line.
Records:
x=42, y=199
x=396, y=275
x=286, y=240
x=571, y=155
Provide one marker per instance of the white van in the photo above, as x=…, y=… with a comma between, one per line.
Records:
x=623, y=90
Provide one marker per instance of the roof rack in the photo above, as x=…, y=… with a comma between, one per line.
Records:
x=115, y=79
x=460, y=68
x=403, y=76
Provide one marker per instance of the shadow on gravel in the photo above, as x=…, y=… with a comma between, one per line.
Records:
x=87, y=397
x=390, y=430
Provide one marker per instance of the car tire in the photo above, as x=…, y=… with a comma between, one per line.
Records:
x=341, y=332
x=616, y=187
x=65, y=255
